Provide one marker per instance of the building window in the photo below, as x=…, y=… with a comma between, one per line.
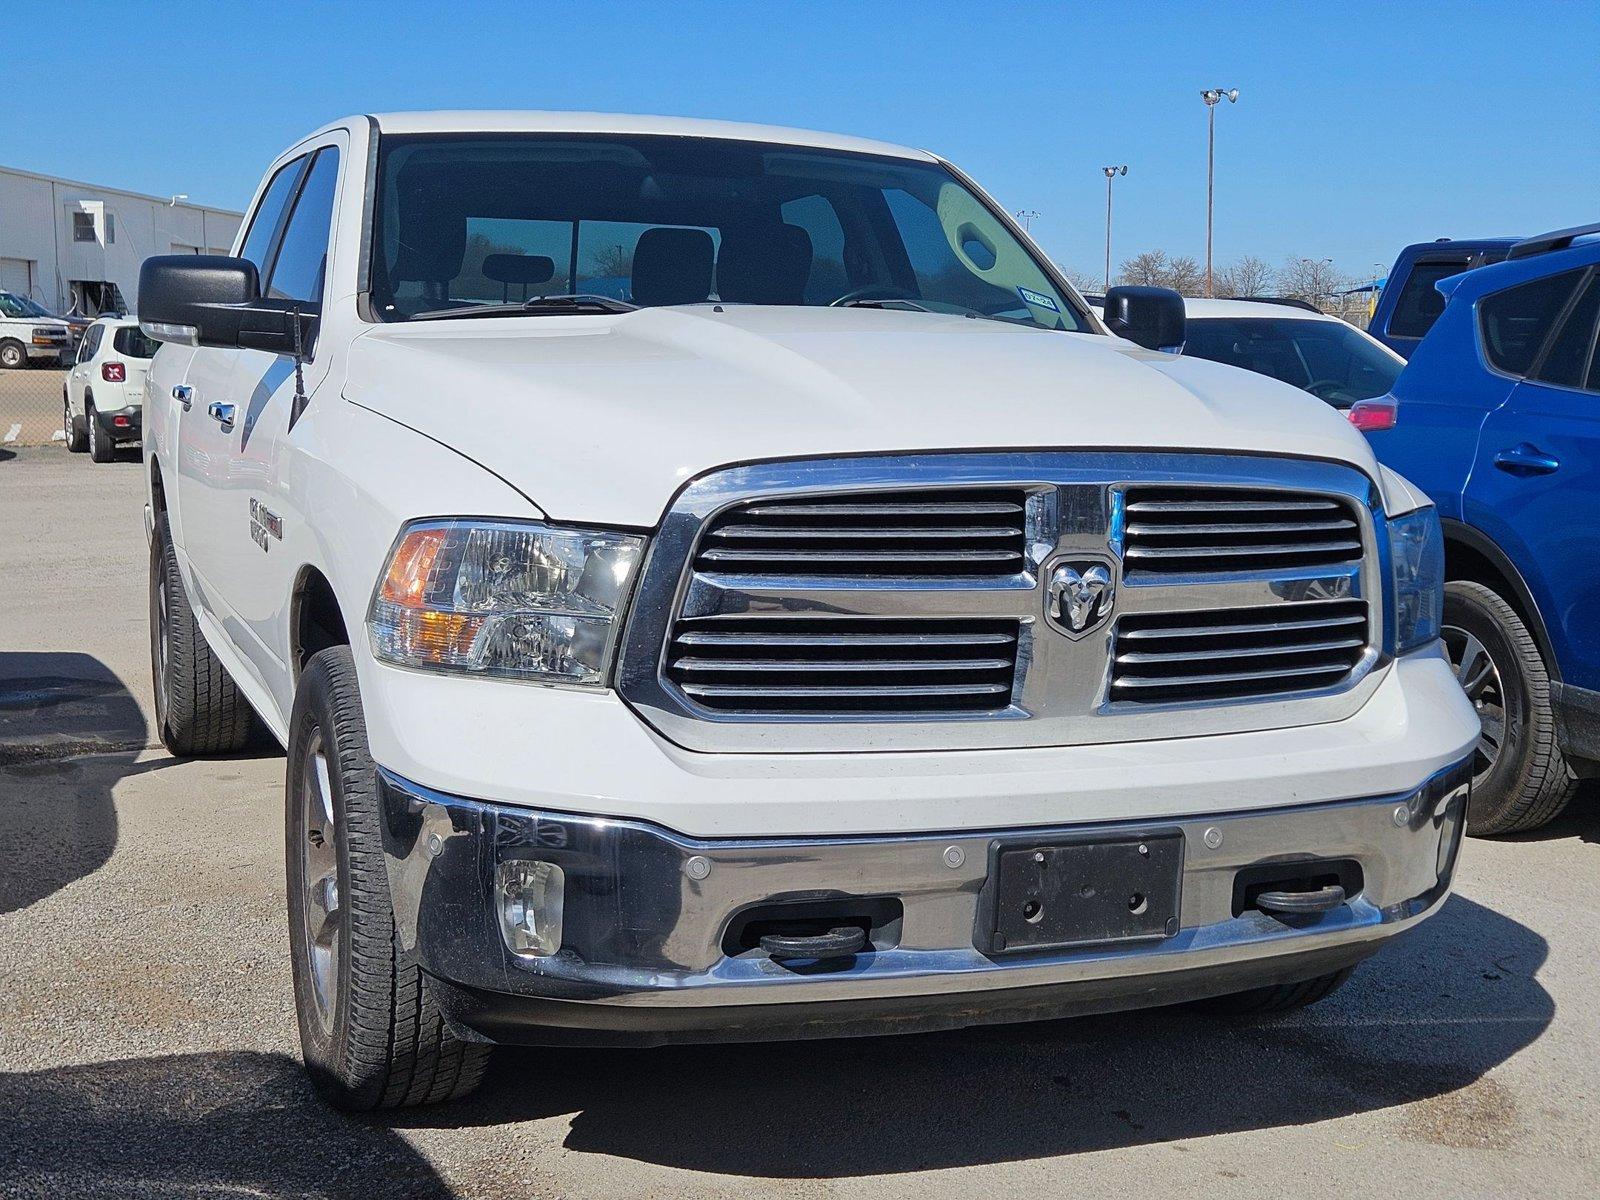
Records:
x=111, y=229
x=82, y=227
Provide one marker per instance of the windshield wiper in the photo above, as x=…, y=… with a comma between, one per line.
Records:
x=883, y=302
x=565, y=303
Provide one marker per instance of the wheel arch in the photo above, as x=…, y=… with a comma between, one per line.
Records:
x=1472, y=556
x=316, y=621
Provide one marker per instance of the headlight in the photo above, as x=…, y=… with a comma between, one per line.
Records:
x=1416, y=557
x=511, y=599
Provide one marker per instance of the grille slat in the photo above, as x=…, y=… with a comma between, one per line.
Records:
x=844, y=665
x=1199, y=530
x=708, y=637
x=806, y=533
x=1234, y=654
x=962, y=532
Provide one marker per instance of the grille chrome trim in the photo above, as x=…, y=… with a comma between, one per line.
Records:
x=1075, y=505
x=966, y=532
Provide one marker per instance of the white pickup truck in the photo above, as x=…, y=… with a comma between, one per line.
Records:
x=718, y=582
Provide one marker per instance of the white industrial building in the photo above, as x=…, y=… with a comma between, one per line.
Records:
x=75, y=247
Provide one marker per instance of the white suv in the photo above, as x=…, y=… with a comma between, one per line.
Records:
x=720, y=582
x=102, y=398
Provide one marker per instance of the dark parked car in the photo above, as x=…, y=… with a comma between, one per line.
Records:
x=1409, y=303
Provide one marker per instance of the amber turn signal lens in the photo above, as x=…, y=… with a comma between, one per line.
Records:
x=406, y=584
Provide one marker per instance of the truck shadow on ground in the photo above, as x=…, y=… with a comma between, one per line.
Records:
x=1419, y=1025
x=225, y=1124
x=57, y=819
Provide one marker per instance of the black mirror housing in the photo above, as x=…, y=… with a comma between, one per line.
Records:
x=212, y=300
x=1152, y=317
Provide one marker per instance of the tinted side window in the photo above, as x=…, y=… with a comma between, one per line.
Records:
x=1516, y=322
x=303, y=256
x=130, y=341
x=91, y=342
x=269, y=214
x=1419, y=304
x=1567, y=362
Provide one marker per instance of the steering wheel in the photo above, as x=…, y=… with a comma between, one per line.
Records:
x=1326, y=389
x=873, y=291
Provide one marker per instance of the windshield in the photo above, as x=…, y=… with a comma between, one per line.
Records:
x=463, y=221
x=13, y=305
x=1329, y=359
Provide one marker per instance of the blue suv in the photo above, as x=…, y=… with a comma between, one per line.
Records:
x=1497, y=418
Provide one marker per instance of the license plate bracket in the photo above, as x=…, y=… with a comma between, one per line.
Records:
x=1066, y=894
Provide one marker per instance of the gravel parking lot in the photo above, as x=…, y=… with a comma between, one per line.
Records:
x=147, y=1043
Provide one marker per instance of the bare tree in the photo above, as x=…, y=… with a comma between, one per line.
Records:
x=1150, y=269
x=1313, y=279
x=1085, y=281
x=1185, y=275
x=1249, y=276
x=1154, y=268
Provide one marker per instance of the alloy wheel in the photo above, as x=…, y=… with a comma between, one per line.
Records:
x=319, y=882
x=1480, y=679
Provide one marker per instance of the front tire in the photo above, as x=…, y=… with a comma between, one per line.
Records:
x=199, y=710
x=371, y=1032
x=77, y=440
x=13, y=355
x=1520, y=778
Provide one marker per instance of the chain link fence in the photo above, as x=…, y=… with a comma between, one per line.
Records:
x=31, y=400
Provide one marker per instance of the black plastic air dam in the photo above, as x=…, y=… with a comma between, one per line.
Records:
x=478, y=1015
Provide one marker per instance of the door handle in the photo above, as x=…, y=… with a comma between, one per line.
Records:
x=222, y=414
x=1526, y=459
x=184, y=395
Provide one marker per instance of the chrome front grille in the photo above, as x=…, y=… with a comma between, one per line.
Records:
x=854, y=665
x=1230, y=654
x=905, y=602
x=958, y=532
x=1190, y=530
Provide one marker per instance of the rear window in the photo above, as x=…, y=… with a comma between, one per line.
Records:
x=1516, y=321
x=1419, y=304
x=130, y=343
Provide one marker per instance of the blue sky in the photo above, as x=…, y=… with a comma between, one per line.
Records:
x=1360, y=126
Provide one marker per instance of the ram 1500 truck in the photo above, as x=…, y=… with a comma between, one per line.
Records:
x=717, y=582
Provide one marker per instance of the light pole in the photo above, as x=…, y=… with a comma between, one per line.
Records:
x=1027, y=216
x=1111, y=173
x=1213, y=97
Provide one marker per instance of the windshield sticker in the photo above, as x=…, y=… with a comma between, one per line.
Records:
x=1037, y=299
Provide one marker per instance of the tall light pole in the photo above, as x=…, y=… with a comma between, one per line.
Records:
x=1027, y=216
x=1213, y=97
x=1111, y=173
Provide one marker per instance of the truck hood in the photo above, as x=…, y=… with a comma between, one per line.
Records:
x=603, y=418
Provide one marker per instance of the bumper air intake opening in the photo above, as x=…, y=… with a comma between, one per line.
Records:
x=821, y=934
x=1305, y=889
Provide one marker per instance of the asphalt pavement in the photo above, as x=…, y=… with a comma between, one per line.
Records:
x=147, y=1036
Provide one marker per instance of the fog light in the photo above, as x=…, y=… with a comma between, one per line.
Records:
x=530, y=897
x=120, y=422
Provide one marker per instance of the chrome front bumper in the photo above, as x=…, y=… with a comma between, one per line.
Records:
x=645, y=952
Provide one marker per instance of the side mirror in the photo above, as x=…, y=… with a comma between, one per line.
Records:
x=1153, y=317
x=212, y=300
